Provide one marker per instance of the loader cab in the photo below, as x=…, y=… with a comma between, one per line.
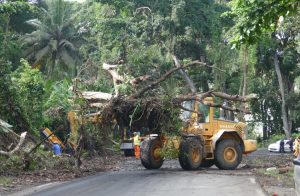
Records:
x=206, y=120
x=201, y=114
x=201, y=119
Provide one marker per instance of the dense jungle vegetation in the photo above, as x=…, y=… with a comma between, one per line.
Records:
x=251, y=46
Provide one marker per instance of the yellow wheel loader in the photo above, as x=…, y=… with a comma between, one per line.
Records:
x=210, y=137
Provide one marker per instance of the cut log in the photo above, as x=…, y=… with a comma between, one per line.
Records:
x=97, y=105
x=96, y=96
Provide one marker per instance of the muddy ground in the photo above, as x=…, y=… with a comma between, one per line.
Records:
x=273, y=171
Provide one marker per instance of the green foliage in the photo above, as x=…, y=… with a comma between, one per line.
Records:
x=172, y=124
x=4, y=181
x=58, y=94
x=256, y=17
x=142, y=35
x=29, y=85
x=51, y=46
x=171, y=150
x=10, y=108
x=57, y=105
x=144, y=38
x=14, y=162
x=10, y=8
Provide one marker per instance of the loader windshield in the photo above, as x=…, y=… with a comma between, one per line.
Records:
x=204, y=110
x=186, y=115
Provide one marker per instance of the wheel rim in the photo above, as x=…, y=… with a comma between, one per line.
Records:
x=195, y=155
x=230, y=154
x=156, y=152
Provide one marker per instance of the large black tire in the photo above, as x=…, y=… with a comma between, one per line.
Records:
x=228, y=154
x=151, y=157
x=207, y=163
x=190, y=153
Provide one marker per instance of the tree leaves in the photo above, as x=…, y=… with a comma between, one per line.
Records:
x=51, y=44
x=254, y=17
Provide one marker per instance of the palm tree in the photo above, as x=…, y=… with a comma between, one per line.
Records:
x=52, y=45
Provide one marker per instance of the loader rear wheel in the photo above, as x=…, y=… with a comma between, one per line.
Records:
x=228, y=154
x=151, y=156
x=190, y=153
x=207, y=163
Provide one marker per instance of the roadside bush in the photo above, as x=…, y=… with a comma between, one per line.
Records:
x=29, y=87
x=57, y=104
x=10, y=108
x=13, y=163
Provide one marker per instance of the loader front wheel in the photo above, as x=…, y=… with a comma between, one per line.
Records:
x=190, y=153
x=151, y=153
x=228, y=154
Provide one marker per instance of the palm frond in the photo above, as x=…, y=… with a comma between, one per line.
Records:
x=43, y=53
x=35, y=37
x=38, y=25
x=52, y=41
x=66, y=44
x=67, y=58
x=4, y=126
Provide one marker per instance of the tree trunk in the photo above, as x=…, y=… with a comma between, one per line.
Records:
x=245, y=83
x=284, y=110
x=187, y=79
x=263, y=118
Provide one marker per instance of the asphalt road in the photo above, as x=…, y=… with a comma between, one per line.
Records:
x=264, y=151
x=133, y=180
x=163, y=182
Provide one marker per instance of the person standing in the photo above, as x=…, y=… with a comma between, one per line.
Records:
x=56, y=149
x=281, y=147
x=291, y=142
x=137, y=143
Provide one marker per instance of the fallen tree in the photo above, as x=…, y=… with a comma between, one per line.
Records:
x=145, y=106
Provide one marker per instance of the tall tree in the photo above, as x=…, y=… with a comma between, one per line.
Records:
x=52, y=45
x=253, y=21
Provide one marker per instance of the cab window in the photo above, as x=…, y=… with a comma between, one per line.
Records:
x=223, y=114
x=186, y=115
x=204, y=110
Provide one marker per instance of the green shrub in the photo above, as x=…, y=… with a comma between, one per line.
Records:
x=29, y=87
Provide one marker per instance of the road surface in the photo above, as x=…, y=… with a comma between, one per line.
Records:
x=265, y=152
x=162, y=182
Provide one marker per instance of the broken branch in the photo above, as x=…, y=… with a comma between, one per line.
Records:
x=234, y=97
x=188, y=80
x=117, y=78
x=21, y=141
x=163, y=78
